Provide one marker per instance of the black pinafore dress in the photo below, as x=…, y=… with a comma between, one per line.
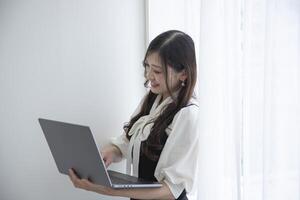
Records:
x=147, y=166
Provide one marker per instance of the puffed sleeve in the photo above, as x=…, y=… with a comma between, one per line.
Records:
x=177, y=165
x=121, y=141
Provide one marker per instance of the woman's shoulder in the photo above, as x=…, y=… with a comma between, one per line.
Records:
x=191, y=109
x=193, y=102
x=186, y=119
x=188, y=112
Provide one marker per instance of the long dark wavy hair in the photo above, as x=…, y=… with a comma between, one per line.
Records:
x=176, y=49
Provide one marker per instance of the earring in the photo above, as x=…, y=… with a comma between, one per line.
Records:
x=182, y=84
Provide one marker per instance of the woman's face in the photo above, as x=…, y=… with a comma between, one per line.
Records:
x=155, y=75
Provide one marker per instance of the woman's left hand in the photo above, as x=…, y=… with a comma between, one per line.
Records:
x=87, y=185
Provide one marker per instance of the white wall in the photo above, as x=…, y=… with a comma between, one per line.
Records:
x=164, y=15
x=75, y=61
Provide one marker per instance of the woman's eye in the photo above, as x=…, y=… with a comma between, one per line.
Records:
x=147, y=68
x=157, y=72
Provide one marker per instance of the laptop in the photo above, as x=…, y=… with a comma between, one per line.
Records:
x=73, y=146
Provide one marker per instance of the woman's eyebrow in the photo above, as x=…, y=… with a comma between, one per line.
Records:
x=146, y=63
x=156, y=66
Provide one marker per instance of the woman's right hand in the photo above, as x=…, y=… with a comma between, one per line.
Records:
x=110, y=154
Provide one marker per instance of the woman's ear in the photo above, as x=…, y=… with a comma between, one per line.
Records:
x=182, y=75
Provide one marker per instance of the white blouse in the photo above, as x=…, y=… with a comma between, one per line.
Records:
x=177, y=165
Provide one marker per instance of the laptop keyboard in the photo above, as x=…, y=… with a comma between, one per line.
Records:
x=116, y=180
x=120, y=180
x=117, y=177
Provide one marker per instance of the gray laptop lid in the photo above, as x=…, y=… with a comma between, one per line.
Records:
x=73, y=146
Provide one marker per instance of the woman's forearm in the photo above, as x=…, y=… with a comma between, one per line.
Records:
x=146, y=193
x=142, y=193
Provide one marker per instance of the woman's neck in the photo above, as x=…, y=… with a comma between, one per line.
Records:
x=163, y=97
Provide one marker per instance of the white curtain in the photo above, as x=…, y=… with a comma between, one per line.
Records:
x=220, y=100
x=248, y=88
x=271, y=89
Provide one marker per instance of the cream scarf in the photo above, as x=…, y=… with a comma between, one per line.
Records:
x=140, y=131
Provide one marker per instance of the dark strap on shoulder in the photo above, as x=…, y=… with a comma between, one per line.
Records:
x=191, y=104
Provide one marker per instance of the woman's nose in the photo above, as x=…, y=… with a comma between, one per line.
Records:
x=150, y=75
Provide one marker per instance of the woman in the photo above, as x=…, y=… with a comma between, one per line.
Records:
x=160, y=142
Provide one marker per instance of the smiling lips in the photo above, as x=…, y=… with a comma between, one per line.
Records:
x=153, y=85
